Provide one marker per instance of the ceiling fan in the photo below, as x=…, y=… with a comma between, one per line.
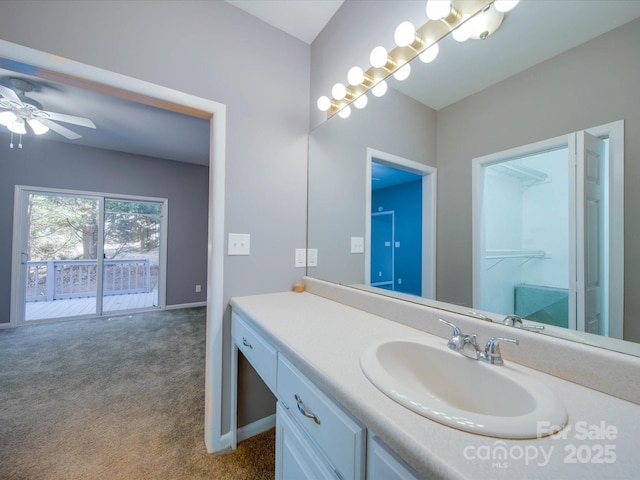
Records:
x=20, y=110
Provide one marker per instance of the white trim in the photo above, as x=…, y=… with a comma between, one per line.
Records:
x=214, y=439
x=180, y=306
x=256, y=427
x=429, y=198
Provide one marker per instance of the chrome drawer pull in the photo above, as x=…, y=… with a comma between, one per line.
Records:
x=246, y=343
x=312, y=416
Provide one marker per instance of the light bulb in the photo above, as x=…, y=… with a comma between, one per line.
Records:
x=324, y=103
x=37, y=127
x=463, y=32
x=405, y=34
x=438, y=9
x=505, y=5
x=355, y=76
x=345, y=112
x=378, y=57
x=430, y=54
x=380, y=89
x=403, y=72
x=361, y=101
x=7, y=118
x=17, y=126
x=339, y=91
x=485, y=23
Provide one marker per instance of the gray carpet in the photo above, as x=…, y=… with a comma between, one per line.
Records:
x=116, y=399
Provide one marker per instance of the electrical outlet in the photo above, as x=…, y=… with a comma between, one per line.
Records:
x=312, y=257
x=198, y=288
x=301, y=257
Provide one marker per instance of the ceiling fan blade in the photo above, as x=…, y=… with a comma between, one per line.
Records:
x=63, y=117
x=64, y=131
x=10, y=95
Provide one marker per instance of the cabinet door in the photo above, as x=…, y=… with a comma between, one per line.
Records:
x=383, y=464
x=296, y=457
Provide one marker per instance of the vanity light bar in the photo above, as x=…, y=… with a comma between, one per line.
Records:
x=426, y=36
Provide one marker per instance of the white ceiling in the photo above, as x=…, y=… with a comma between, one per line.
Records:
x=533, y=32
x=304, y=19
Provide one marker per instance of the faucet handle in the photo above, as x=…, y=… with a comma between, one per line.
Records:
x=516, y=321
x=459, y=341
x=456, y=331
x=492, y=350
x=512, y=320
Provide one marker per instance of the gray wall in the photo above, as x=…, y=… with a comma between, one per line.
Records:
x=590, y=85
x=212, y=50
x=42, y=163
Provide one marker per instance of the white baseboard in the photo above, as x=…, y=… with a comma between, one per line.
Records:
x=185, y=305
x=256, y=427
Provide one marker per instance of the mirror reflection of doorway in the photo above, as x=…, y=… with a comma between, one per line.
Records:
x=547, y=231
x=396, y=229
x=408, y=189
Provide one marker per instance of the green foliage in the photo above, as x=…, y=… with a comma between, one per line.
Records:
x=66, y=227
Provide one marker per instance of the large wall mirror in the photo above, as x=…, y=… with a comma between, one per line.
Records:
x=476, y=120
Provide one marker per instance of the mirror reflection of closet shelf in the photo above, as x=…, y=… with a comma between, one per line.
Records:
x=527, y=176
x=526, y=255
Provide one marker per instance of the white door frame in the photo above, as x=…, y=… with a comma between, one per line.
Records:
x=615, y=132
x=429, y=196
x=163, y=97
x=20, y=234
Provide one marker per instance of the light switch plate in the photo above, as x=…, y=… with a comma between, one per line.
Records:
x=239, y=244
x=301, y=257
x=312, y=257
x=357, y=244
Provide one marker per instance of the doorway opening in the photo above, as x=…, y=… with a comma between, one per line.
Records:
x=44, y=64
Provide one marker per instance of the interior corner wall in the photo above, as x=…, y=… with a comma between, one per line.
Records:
x=42, y=163
x=581, y=88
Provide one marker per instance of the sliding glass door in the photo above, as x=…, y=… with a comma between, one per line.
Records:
x=131, y=254
x=79, y=254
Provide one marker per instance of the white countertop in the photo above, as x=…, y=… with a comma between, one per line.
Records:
x=325, y=339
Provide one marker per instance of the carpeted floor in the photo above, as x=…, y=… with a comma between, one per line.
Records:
x=117, y=399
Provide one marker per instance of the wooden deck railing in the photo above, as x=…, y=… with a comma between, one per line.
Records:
x=57, y=279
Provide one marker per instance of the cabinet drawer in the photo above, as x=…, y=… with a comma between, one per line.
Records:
x=262, y=356
x=340, y=438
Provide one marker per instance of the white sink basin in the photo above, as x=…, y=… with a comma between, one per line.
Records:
x=442, y=385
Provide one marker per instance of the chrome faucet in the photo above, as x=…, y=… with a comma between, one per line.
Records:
x=491, y=353
x=516, y=321
x=459, y=341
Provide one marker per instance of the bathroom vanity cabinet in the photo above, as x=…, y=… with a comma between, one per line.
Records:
x=315, y=436
x=332, y=422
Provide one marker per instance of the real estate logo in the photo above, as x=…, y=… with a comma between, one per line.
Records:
x=582, y=443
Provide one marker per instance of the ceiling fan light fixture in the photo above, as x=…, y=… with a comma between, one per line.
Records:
x=17, y=126
x=37, y=127
x=7, y=118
